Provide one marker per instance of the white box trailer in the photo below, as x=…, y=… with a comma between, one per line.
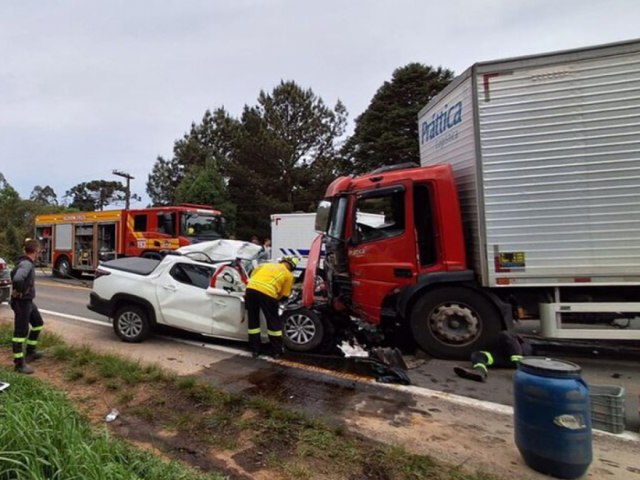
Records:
x=292, y=234
x=546, y=154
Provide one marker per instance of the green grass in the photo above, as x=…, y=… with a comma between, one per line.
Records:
x=44, y=438
x=292, y=443
x=48, y=341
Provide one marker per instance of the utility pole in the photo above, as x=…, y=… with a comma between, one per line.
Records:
x=127, y=191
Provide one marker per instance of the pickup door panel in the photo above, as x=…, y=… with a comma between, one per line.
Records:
x=228, y=314
x=183, y=300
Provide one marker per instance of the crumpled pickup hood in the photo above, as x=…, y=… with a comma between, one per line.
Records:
x=219, y=250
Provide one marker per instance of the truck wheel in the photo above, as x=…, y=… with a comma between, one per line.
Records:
x=131, y=324
x=62, y=268
x=454, y=322
x=152, y=255
x=302, y=329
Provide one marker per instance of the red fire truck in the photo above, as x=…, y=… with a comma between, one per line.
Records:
x=75, y=242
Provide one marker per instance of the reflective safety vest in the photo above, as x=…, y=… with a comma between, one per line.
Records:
x=272, y=279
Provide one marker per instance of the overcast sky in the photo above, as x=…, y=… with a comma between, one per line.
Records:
x=87, y=87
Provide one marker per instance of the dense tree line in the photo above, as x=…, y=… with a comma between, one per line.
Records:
x=278, y=157
x=16, y=215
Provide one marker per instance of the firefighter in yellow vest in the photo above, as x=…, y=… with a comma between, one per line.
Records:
x=269, y=283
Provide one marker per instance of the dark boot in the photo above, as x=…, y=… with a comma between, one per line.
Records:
x=33, y=356
x=22, y=367
x=276, y=350
x=18, y=357
x=475, y=374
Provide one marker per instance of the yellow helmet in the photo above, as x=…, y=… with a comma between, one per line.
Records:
x=292, y=261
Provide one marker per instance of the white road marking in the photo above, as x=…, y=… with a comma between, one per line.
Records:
x=100, y=323
x=75, y=317
x=219, y=348
x=64, y=285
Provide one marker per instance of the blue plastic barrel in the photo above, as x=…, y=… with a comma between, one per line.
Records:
x=552, y=417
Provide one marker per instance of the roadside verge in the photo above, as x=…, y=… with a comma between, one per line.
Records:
x=454, y=429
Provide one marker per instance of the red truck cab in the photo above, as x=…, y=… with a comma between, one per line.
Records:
x=393, y=238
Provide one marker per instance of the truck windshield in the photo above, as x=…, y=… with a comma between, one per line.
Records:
x=335, y=228
x=380, y=215
x=201, y=225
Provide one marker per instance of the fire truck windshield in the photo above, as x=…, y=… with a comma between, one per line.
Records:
x=201, y=225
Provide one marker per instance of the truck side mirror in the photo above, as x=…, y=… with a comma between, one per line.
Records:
x=355, y=237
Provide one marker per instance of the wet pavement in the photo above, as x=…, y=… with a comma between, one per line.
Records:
x=302, y=387
x=438, y=375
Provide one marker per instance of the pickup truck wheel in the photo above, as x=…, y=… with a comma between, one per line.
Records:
x=302, y=330
x=454, y=322
x=131, y=324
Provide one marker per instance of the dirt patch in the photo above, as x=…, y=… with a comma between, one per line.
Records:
x=213, y=431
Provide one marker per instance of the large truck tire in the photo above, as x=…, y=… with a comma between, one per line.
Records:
x=453, y=322
x=62, y=268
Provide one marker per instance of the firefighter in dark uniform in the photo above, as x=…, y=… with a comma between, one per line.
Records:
x=510, y=349
x=269, y=283
x=26, y=312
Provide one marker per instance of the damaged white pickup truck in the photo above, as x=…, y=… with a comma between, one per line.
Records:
x=198, y=288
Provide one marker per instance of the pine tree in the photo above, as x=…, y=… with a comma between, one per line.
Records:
x=386, y=133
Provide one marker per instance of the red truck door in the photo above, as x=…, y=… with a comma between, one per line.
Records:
x=382, y=246
x=313, y=263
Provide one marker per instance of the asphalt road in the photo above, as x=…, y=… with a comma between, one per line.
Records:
x=600, y=366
